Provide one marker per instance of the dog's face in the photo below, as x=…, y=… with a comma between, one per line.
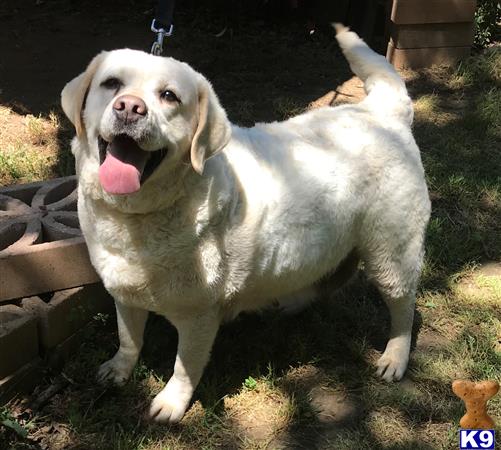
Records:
x=138, y=117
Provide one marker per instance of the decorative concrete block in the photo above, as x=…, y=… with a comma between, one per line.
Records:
x=44, y=333
x=18, y=339
x=41, y=245
x=66, y=312
x=45, y=268
x=42, y=251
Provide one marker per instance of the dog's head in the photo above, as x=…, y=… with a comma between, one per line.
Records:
x=140, y=117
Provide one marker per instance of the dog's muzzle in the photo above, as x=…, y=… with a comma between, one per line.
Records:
x=124, y=166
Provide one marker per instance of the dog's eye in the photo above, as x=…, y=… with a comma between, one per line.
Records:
x=169, y=96
x=112, y=83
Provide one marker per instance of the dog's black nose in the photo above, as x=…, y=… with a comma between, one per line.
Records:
x=129, y=108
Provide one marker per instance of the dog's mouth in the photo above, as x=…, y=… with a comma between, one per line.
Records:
x=124, y=166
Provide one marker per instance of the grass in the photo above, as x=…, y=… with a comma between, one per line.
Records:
x=32, y=147
x=308, y=381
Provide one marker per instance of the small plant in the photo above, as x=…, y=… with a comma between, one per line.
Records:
x=487, y=15
x=430, y=304
x=101, y=318
x=250, y=383
x=7, y=420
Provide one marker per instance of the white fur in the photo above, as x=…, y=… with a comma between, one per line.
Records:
x=277, y=208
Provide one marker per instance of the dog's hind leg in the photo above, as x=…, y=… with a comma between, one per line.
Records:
x=394, y=265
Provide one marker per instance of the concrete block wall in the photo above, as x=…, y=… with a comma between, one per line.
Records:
x=42, y=332
x=49, y=290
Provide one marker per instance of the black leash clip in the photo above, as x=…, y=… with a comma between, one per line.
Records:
x=158, y=46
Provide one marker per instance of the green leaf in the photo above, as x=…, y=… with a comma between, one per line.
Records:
x=16, y=426
x=250, y=383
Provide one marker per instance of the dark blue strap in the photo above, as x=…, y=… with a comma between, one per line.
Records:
x=163, y=16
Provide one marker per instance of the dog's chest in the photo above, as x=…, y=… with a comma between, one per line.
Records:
x=151, y=261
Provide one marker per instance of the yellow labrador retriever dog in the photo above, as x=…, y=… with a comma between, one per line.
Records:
x=196, y=219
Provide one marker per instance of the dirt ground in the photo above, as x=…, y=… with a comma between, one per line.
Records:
x=46, y=43
x=316, y=388
x=263, y=66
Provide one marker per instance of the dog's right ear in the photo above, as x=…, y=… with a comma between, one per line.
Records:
x=74, y=94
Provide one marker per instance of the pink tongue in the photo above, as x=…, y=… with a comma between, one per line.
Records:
x=123, y=166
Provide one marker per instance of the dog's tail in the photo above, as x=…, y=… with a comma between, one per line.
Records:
x=386, y=92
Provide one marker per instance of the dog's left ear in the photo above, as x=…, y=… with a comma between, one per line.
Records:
x=74, y=94
x=213, y=130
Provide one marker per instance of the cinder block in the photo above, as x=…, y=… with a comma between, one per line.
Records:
x=46, y=267
x=432, y=35
x=53, y=195
x=18, y=339
x=432, y=11
x=67, y=312
x=414, y=58
x=21, y=381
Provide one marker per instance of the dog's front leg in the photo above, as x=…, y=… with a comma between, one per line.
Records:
x=131, y=322
x=196, y=336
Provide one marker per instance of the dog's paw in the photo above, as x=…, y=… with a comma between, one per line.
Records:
x=392, y=364
x=169, y=405
x=117, y=370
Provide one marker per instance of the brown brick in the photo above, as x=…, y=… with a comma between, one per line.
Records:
x=18, y=339
x=46, y=267
x=67, y=312
x=432, y=11
x=415, y=58
x=432, y=35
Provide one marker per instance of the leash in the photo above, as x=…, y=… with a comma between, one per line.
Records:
x=162, y=25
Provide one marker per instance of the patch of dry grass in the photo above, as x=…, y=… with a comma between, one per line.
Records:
x=30, y=148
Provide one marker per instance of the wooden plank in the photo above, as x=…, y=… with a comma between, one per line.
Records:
x=432, y=35
x=432, y=11
x=415, y=58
